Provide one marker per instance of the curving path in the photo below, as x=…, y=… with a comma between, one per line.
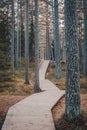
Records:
x=34, y=112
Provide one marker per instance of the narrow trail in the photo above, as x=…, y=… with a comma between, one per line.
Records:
x=34, y=112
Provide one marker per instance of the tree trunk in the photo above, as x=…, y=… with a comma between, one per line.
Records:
x=17, y=45
x=72, y=108
x=80, y=32
x=56, y=39
x=20, y=30
x=48, y=55
x=36, y=85
x=26, y=41
x=12, y=41
x=31, y=35
x=85, y=38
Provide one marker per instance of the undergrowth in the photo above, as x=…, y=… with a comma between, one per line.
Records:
x=77, y=124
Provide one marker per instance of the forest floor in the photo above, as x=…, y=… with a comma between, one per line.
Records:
x=13, y=89
x=58, y=110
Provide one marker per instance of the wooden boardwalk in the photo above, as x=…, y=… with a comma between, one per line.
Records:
x=34, y=112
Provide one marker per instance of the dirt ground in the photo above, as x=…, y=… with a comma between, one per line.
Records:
x=61, y=124
x=59, y=121
x=60, y=107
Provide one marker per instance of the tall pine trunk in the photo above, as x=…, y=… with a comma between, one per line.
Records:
x=12, y=40
x=17, y=44
x=20, y=31
x=48, y=55
x=80, y=32
x=26, y=41
x=36, y=85
x=72, y=108
x=56, y=39
x=85, y=38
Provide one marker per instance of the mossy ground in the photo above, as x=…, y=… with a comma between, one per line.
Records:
x=14, y=84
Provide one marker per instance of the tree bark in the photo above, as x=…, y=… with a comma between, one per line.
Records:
x=12, y=41
x=48, y=55
x=80, y=32
x=72, y=108
x=26, y=41
x=20, y=31
x=85, y=38
x=17, y=44
x=56, y=39
x=36, y=85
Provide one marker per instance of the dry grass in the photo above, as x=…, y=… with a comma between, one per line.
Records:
x=14, y=85
x=61, y=83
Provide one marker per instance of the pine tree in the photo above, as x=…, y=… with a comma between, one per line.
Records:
x=48, y=55
x=72, y=108
x=36, y=85
x=80, y=22
x=17, y=43
x=26, y=41
x=56, y=39
x=12, y=41
x=31, y=35
x=85, y=38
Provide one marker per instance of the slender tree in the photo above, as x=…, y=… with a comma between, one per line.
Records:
x=31, y=35
x=12, y=41
x=17, y=44
x=85, y=38
x=20, y=30
x=72, y=108
x=48, y=55
x=80, y=22
x=36, y=85
x=56, y=39
x=26, y=41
